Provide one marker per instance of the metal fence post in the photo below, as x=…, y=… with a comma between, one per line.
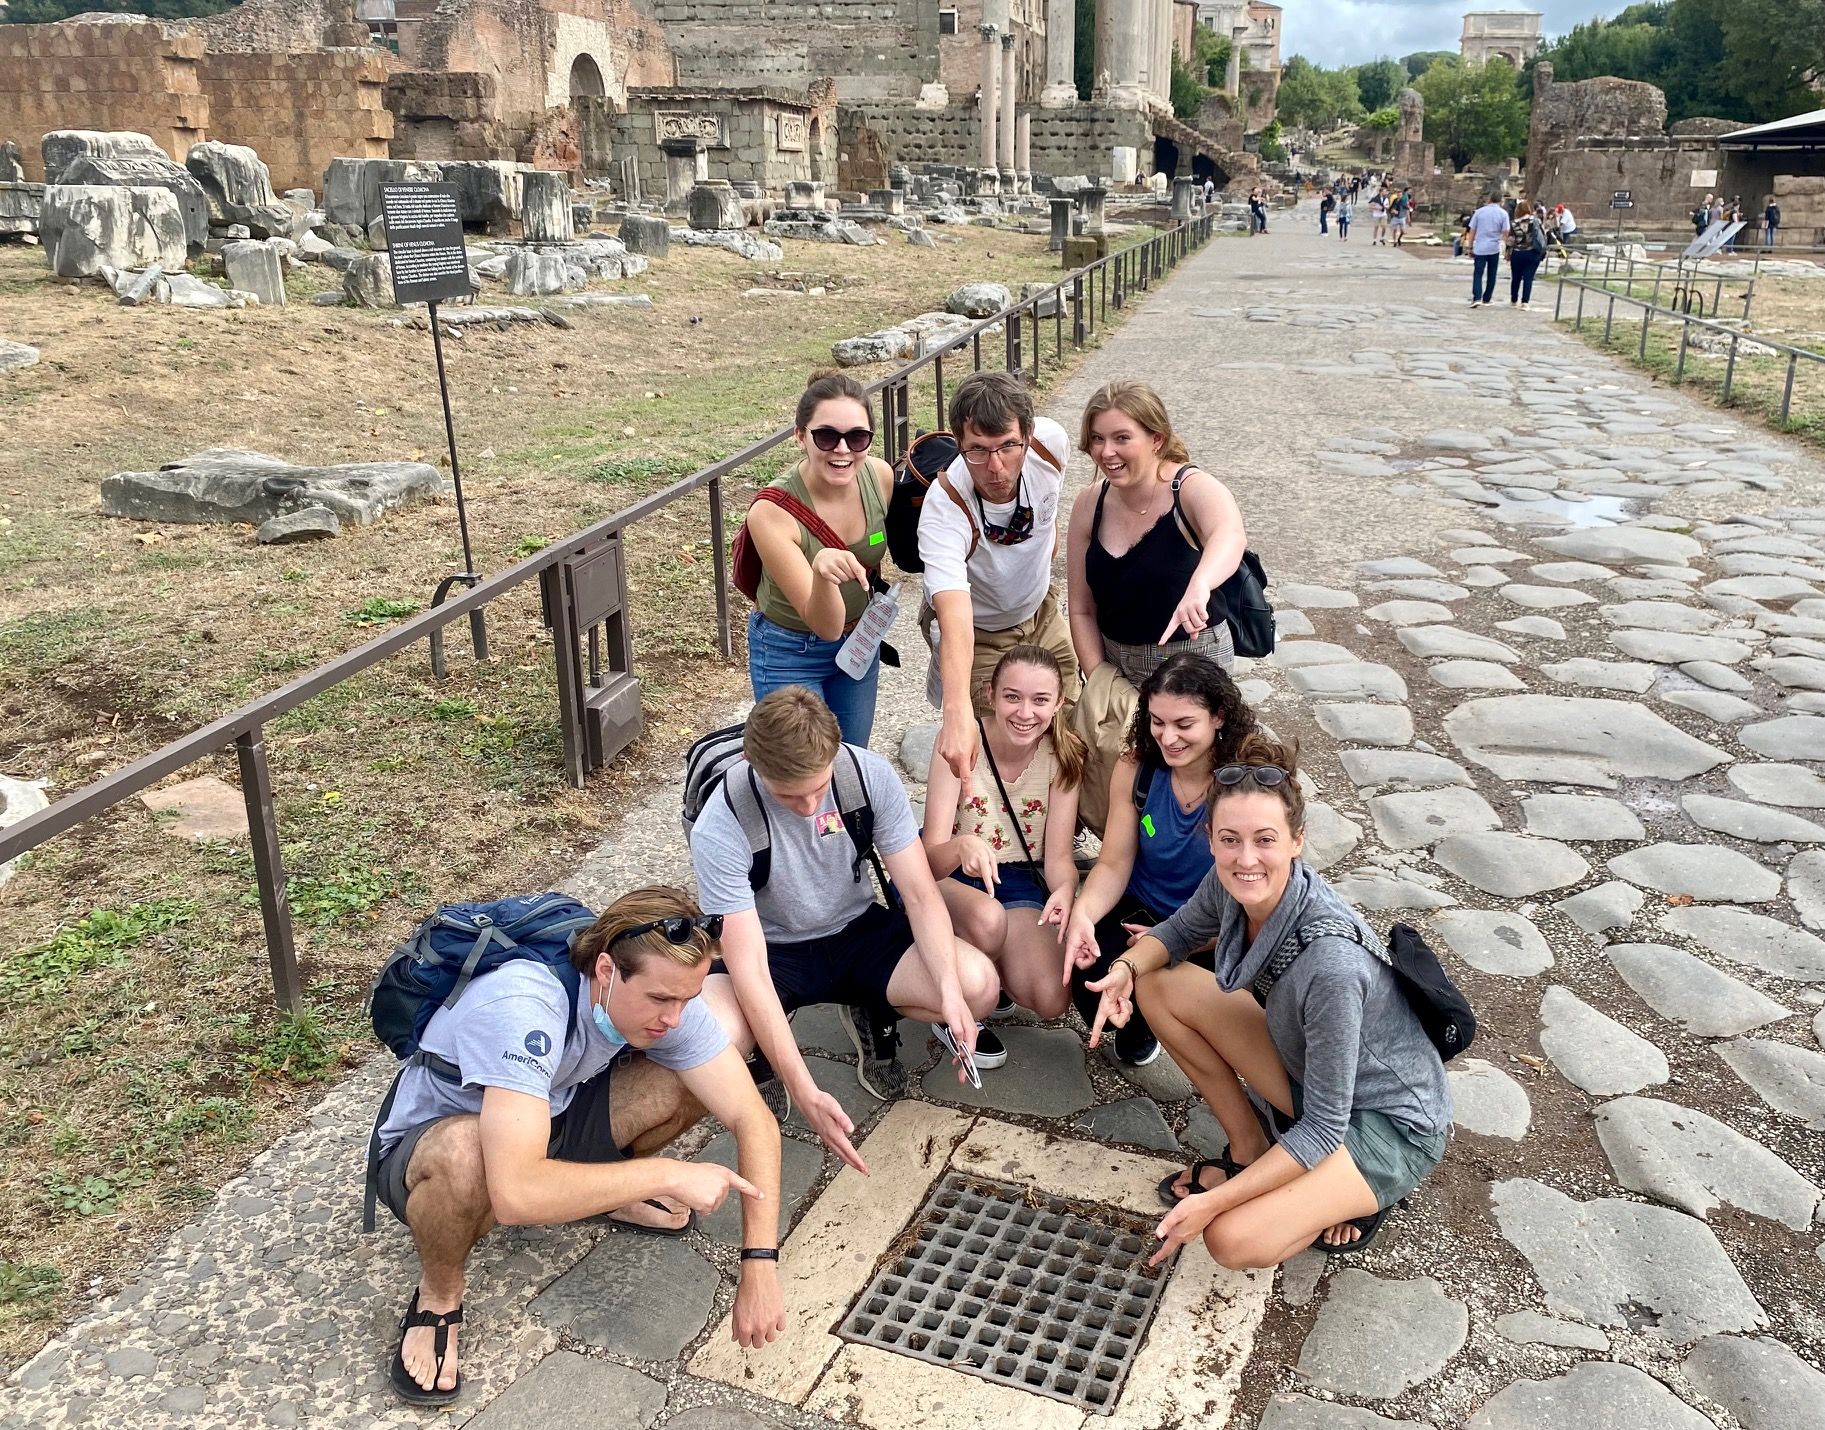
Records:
x=938, y=382
x=725, y=637
x=1559, y=297
x=1578, y=321
x=1729, y=370
x=269, y=868
x=1641, y=352
x=1609, y=319
x=1679, y=368
x=1078, y=331
x=1010, y=331
x=1793, y=360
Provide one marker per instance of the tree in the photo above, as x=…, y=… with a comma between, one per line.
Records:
x=1270, y=145
x=1383, y=121
x=1420, y=61
x=46, y=12
x=1378, y=82
x=1188, y=89
x=1315, y=98
x=1474, y=111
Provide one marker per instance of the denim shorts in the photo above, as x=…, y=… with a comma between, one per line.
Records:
x=1392, y=1157
x=1016, y=886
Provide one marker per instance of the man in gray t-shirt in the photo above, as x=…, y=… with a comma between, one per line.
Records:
x=521, y=1108
x=813, y=932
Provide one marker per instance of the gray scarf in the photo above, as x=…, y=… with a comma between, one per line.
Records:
x=1239, y=962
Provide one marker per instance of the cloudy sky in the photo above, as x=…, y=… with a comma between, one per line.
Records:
x=1335, y=32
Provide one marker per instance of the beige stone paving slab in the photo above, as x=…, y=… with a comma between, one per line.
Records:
x=1064, y=1166
x=1190, y=1365
x=884, y=1391
x=830, y=1255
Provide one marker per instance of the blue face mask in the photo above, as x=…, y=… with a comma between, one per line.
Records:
x=604, y=1024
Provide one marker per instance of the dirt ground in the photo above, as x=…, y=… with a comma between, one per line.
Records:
x=140, y=1060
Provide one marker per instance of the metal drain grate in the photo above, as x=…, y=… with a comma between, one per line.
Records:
x=1036, y=1297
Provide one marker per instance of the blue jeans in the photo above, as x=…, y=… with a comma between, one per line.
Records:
x=778, y=657
x=1482, y=277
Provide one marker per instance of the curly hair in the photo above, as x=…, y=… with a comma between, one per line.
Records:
x=1195, y=677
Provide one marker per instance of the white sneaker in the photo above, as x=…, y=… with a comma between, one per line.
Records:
x=1524, y=307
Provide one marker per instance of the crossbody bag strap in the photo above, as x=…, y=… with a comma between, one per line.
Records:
x=1045, y=455
x=1178, y=509
x=801, y=513
x=944, y=480
x=1006, y=803
x=1296, y=942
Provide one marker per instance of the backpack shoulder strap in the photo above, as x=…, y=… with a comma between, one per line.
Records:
x=743, y=799
x=944, y=480
x=801, y=513
x=1178, y=509
x=858, y=819
x=1045, y=455
x=1143, y=784
x=1302, y=938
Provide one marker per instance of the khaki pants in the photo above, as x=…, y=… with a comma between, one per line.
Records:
x=1045, y=627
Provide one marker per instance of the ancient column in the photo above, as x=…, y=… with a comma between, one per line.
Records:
x=1167, y=29
x=1232, y=77
x=1182, y=202
x=1010, y=92
x=991, y=74
x=1061, y=55
x=1061, y=225
x=1118, y=53
x=1025, y=155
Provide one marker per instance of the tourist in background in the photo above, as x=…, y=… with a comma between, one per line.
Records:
x=811, y=595
x=1701, y=216
x=1771, y=221
x=1325, y=205
x=1568, y=224
x=1378, y=218
x=1526, y=250
x=1736, y=214
x=1344, y=209
x=1190, y=719
x=1399, y=213
x=1487, y=229
x=1001, y=840
x=1361, y=1105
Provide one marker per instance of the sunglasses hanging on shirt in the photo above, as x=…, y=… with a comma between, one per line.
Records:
x=1019, y=525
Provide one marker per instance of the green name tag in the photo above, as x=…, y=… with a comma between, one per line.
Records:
x=875, y=538
x=1147, y=824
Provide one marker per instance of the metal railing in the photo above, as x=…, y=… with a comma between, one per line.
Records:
x=1685, y=283
x=1093, y=290
x=1651, y=311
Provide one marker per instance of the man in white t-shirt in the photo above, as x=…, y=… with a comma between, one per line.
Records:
x=987, y=533
x=525, y=1106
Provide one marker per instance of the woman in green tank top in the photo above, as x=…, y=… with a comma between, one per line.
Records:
x=810, y=595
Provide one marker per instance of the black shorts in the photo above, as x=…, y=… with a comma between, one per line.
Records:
x=853, y=965
x=582, y=1132
x=1112, y=938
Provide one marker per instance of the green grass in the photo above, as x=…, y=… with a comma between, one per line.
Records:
x=36, y=645
x=299, y=1048
x=100, y=939
x=29, y=1286
x=380, y=611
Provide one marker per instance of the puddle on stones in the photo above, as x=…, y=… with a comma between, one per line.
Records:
x=1589, y=511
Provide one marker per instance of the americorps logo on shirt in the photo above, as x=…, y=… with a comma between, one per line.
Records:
x=538, y=1043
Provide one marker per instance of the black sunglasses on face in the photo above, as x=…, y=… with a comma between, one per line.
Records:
x=677, y=929
x=1267, y=776
x=856, y=439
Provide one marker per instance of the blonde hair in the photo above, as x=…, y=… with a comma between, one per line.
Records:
x=1067, y=746
x=791, y=735
x=641, y=906
x=1141, y=403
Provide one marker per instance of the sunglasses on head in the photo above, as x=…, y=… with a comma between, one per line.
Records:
x=856, y=439
x=1267, y=776
x=677, y=929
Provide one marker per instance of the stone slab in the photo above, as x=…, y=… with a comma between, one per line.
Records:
x=1291, y=654
x=1759, y=1381
x=1044, y=1075
x=1575, y=740
x=1287, y=1411
x=1791, y=737
x=1623, y=1264
x=1659, y=616
x=1713, y=705
x=1530, y=1328
x=1408, y=613
x=1622, y=545
x=1492, y=941
x=800, y=1164
x=1312, y=598
x=1686, y=990
x=1754, y=822
x=1414, y=819
x=1414, y=1326
x=228, y=485
x=1795, y=786
x=1540, y=628
x=1806, y=886
x=1410, y=768
x=1597, y=1395
x=1678, y=647
x=1789, y=1079
x=1428, y=642
x=1545, y=598
x=1689, y=1160
x=1388, y=725
x=1052, y=1163
x=567, y=1391
x=200, y=808
x=1136, y=1121
x=1329, y=836
x=1487, y=1101
x=1593, y=1050
x=1626, y=675
x=1707, y=872
x=1581, y=817
x=1379, y=893
x=1753, y=939
x=1474, y=675
x=1510, y=865
x=1361, y=680
x=643, y=1297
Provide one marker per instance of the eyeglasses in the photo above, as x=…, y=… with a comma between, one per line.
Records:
x=856, y=439
x=979, y=456
x=1267, y=776
x=677, y=929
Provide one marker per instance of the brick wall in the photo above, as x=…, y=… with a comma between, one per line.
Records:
x=960, y=55
x=876, y=49
x=125, y=74
x=1065, y=141
x=437, y=115
x=298, y=111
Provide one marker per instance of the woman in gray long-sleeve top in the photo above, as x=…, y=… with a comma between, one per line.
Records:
x=1360, y=1094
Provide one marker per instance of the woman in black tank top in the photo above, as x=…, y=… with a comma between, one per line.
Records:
x=1150, y=545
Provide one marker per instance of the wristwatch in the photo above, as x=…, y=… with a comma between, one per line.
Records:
x=760, y=1253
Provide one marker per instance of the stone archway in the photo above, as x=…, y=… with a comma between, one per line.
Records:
x=586, y=80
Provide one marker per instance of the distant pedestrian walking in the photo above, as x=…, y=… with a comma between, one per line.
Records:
x=1343, y=218
x=1489, y=225
x=1771, y=222
x=1325, y=205
x=1526, y=250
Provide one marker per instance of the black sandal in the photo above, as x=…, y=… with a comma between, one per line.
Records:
x=1369, y=1226
x=1222, y=1162
x=642, y=1229
x=408, y=1389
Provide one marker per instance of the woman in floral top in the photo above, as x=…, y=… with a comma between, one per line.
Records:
x=1006, y=844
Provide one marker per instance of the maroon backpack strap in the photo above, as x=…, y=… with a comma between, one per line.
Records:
x=802, y=514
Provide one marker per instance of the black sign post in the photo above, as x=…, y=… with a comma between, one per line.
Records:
x=425, y=243
x=1619, y=200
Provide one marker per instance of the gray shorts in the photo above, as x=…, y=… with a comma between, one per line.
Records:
x=582, y=1132
x=1392, y=1157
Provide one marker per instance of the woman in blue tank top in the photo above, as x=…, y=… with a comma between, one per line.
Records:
x=1190, y=719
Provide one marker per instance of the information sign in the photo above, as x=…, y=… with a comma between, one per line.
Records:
x=425, y=242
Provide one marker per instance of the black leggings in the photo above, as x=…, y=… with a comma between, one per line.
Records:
x=1522, y=265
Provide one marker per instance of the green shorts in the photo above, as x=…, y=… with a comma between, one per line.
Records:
x=1392, y=1157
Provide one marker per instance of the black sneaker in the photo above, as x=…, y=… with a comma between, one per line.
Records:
x=991, y=1052
x=772, y=1087
x=1006, y=1008
x=1135, y=1045
x=877, y=1046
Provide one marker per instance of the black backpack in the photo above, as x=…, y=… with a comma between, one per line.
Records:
x=1443, y=1011
x=1247, y=611
x=706, y=767
x=435, y=966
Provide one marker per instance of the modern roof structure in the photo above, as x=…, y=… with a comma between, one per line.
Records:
x=1796, y=131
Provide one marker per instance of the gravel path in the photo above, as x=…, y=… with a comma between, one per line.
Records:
x=1555, y=647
